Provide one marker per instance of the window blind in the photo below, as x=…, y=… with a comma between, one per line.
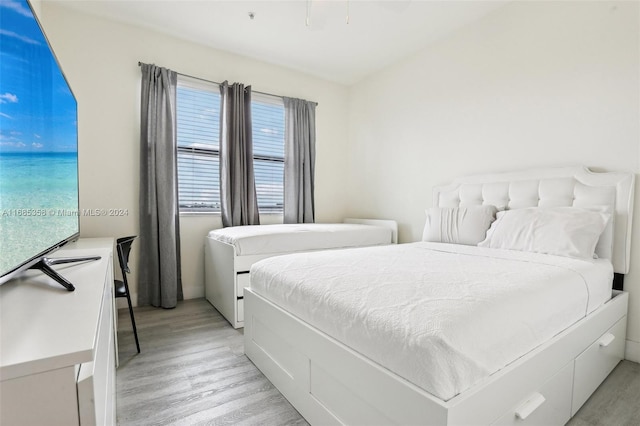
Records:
x=267, y=115
x=198, y=140
x=198, y=133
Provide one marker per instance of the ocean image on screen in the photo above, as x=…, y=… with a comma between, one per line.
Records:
x=38, y=142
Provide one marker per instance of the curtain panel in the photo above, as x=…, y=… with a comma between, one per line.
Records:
x=299, y=160
x=160, y=281
x=238, y=197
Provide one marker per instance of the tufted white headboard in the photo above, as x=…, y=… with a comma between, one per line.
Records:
x=554, y=187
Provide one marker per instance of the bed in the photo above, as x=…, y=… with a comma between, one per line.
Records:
x=455, y=334
x=230, y=253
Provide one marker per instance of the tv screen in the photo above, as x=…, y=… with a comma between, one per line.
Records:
x=38, y=144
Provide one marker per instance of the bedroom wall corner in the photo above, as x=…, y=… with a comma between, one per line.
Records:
x=100, y=58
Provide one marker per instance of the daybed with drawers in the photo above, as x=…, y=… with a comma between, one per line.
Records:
x=230, y=252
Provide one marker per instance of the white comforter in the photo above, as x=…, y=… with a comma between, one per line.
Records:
x=442, y=316
x=289, y=238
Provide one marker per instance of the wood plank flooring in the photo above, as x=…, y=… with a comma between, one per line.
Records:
x=616, y=402
x=192, y=371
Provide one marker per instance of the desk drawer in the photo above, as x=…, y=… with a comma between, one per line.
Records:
x=597, y=361
x=549, y=405
x=242, y=281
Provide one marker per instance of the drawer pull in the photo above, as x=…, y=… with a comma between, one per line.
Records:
x=606, y=340
x=530, y=406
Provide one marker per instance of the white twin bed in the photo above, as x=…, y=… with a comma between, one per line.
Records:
x=518, y=330
x=230, y=253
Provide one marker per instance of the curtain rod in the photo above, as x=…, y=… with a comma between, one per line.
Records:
x=215, y=82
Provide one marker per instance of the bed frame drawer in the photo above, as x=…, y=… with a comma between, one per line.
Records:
x=242, y=281
x=240, y=310
x=597, y=361
x=550, y=405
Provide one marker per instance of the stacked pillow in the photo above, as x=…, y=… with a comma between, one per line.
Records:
x=458, y=225
x=560, y=231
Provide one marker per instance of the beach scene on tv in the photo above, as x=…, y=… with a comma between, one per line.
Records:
x=38, y=142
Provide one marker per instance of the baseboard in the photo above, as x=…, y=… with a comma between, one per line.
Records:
x=192, y=292
x=632, y=351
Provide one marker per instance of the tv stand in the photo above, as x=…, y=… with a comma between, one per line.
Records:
x=57, y=348
x=44, y=265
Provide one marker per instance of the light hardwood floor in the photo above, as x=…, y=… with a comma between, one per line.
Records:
x=192, y=371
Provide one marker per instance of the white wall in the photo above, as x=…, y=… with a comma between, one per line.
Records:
x=37, y=9
x=100, y=59
x=533, y=84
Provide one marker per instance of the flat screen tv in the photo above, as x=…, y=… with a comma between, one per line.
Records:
x=38, y=146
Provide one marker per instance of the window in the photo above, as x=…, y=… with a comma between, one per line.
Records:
x=198, y=133
x=198, y=136
x=267, y=116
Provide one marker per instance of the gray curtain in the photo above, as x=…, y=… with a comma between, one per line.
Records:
x=160, y=282
x=299, y=160
x=239, y=202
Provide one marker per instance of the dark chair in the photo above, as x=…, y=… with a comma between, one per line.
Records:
x=123, y=245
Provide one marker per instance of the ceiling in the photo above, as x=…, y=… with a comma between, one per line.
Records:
x=379, y=33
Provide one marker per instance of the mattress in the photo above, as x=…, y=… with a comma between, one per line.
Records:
x=289, y=238
x=442, y=316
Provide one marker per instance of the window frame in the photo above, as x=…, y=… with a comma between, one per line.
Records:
x=197, y=84
x=265, y=98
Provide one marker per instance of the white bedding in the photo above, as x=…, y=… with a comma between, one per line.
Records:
x=301, y=237
x=442, y=316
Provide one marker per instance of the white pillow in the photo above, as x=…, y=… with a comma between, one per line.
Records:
x=458, y=225
x=562, y=231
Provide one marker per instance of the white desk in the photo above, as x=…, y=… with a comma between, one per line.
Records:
x=57, y=348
